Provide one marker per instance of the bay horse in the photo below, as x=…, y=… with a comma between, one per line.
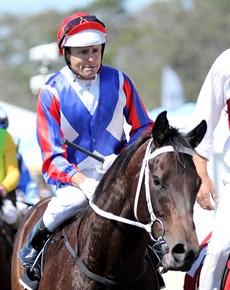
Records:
x=148, y=192
x=6, y=250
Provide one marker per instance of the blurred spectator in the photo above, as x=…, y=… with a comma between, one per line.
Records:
x=27, y=190
x=9, y=175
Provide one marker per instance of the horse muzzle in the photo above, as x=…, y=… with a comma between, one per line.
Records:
x=180, y=258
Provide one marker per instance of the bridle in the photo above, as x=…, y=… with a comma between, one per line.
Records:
x=144, y=175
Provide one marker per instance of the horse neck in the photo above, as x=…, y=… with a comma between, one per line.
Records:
x=120, y=244
x=118, y=239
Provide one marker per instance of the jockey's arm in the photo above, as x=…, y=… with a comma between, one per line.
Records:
x=78, y=178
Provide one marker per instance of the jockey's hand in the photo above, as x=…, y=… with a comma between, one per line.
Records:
x=3, y=191
x=207, y=190
x=106, y=164
x=88, y=187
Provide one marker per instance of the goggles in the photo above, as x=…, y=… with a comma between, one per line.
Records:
x=81, y=23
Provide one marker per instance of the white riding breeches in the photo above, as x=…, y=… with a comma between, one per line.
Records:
x=62, y=206
x=9, y=213
x=219, y=246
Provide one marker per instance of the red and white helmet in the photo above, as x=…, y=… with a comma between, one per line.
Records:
x=80, y=30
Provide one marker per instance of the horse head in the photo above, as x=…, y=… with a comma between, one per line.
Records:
x=168, y=188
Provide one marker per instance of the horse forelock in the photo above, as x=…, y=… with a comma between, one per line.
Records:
x=173, y=137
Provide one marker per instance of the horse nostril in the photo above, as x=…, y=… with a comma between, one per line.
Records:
x=179, y=249
x=179, y=253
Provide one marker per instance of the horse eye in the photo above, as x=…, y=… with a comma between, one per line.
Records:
x=156, y=180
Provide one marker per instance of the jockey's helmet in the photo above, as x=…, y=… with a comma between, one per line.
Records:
x=79, y=30
x=4, y=122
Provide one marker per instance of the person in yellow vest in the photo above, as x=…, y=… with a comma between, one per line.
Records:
x=9, y=174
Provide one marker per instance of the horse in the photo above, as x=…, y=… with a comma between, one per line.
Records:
x=146, y=195
x=6, y=250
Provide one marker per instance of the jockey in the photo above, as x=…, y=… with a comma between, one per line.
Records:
x=213, y=98
x=87, y=103
x=9, y=174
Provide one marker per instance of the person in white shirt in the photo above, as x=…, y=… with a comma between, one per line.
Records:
x=214, y=97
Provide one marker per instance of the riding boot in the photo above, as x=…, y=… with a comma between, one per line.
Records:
x=28, y=254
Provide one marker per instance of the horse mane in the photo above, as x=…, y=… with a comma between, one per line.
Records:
x=118, y=166
x=171, y=137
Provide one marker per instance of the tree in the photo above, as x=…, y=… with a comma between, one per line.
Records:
x=140, y=44
x=166, y=34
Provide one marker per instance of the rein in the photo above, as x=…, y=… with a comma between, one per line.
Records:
x=144, y=174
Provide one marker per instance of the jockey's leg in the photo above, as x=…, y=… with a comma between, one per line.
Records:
x=37, y=239
x=219, y=246
x=61, y=207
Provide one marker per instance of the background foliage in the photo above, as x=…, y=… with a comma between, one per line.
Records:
x=139, y=43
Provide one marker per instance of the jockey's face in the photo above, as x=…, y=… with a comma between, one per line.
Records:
x=85, y=61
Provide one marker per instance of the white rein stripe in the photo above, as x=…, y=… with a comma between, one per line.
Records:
x=111, y=216
x=144, y=172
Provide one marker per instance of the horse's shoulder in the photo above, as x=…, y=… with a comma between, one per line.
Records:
x=65, y=237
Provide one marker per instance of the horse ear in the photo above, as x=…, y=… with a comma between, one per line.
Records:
x=159, y=129
x=195, y=136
